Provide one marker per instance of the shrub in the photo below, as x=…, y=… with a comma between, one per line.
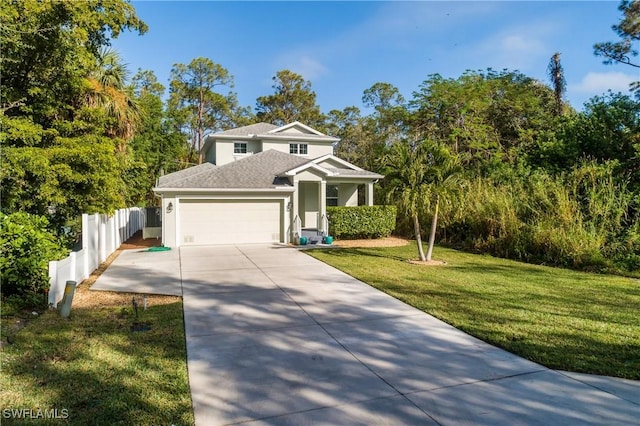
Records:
x=26, y=247
x=361, y=221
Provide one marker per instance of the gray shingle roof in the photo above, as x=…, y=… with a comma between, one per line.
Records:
x=264, y=130
x=253, y=129
x=254, y=171
x=259, y=171
x=182, y=174
x=353, y=173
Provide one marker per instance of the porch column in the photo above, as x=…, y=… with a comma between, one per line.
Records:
x=294, y=205
x=322, y=202
x=368, y=195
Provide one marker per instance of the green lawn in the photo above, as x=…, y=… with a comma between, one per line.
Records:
x=99, y=371
x=560, y=318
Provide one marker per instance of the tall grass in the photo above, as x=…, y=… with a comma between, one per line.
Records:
x=583, y=219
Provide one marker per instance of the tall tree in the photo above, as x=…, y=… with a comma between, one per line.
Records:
x=157, y=146
x=49, y=46
x=58, y=157
x=629, y=31
x=195, y=102
x=293, y=100
x=390, y=114
x=558, y=82
x=489, y=118
x=106, y=89
x=347, y=125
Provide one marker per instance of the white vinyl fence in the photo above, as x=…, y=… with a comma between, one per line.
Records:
x=101, y=236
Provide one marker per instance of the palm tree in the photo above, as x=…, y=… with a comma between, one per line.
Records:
x=106, y=89
x=419, y=178
x=556, y=74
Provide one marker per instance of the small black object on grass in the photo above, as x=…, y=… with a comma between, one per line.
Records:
x=137, y=325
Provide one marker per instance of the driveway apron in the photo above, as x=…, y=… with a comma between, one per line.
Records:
x=277, y=337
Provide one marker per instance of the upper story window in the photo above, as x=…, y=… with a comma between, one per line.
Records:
x=298, y=148
x=239, y=147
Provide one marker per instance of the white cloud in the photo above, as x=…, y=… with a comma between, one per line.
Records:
x=600, y=82
x=517, y=48
x=308, y=67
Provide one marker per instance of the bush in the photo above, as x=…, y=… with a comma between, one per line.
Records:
x=26, y=247
x=361, y=221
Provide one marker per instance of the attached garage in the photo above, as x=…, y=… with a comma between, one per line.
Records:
x=227, y=221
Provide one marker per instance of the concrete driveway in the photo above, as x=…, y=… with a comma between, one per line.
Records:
x=277, y=337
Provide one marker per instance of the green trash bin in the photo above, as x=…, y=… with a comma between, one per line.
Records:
x=327, y=239
x=304, y=241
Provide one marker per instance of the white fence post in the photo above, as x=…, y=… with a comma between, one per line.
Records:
x=53, y=282
x=102, y=238
x=114, y=230
x=96, y=240
x=85, y=244
x=72, y=267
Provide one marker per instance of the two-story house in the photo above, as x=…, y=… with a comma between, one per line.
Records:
x=259, y=183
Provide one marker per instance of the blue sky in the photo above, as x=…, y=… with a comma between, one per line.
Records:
x=345, y=47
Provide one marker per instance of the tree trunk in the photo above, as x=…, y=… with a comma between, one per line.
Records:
x=200, y=124
x=434, y=224
x=416, y=229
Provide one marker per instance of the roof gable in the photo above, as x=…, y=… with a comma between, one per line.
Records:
x=332, y=161
x=296, y=128
x=253, y=129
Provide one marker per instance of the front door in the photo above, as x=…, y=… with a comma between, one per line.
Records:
x=309, y=204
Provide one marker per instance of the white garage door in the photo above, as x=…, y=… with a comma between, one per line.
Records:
x=229, y=222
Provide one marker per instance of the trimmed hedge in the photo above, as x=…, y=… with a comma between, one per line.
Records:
x=361, y=221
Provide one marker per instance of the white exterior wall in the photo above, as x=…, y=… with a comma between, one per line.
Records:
x=210, y=156
x=329, y=162
x=224, y=152
x=308, y=175
x=347, y=194
x=314, y=149
x=169, y=222
x=317, y=150
x=221, y=151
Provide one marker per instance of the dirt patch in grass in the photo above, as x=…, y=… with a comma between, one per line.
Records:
x=378, y=242
x=428, y=262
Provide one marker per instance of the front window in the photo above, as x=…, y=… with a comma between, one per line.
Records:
x=298, y=148
x=332, y=195
x=239, y=148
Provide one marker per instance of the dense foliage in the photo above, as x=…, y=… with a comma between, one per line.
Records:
x=25, y=250
x=626, y=49
x=362, y=221
x=537, y=186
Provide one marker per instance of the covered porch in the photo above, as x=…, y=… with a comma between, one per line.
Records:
x=311, y=198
